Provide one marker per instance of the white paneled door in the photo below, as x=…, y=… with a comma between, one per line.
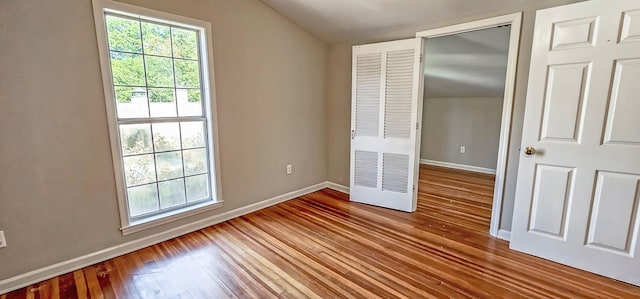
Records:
x=578, y=192
x=385, y=137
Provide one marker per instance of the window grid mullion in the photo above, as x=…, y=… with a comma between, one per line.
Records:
x=154, y=55
x=175, y=84
x=184, y=173
x=173, y=67
x=144, y=65
x=167, y=180
x=153, y=143
x=164, y=152
x=157, y=87
x=133, y=121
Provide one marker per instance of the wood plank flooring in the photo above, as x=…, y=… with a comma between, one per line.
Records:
x=322, y=246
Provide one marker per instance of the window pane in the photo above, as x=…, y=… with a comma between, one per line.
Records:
x=163, y=103
x=139, y=170
x=192, y=134
x=142, y=199
x=187, y=73
x=189, y=102
x=166, y=137
x=169, y=165
x=159, y=71
x=197, y=188
x=124, y=34
x=131, y=102
x=127, y=69
x=171, y=193
x=123, y=94
x=156, y=39
x=195, y=161
x=136, y=139
x=185, y=43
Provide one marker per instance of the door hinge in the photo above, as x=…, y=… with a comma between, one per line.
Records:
x=353, y=134
x=421, y=57
x=417, y=125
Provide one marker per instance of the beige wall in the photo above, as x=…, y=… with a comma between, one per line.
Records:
x=339, y=97
x=57, y=189
x=448, y=123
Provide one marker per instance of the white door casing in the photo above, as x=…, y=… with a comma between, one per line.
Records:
x=578, y=195
x=515, y=21
x=385, y=108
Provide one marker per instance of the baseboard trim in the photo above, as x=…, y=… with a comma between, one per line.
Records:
x=38, y=275
x=458, y=166
x=338, y=187
x=504, y=234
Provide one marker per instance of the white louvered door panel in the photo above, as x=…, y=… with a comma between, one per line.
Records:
x=385, y=136
x=399, y=94
x=368, y=94
x=366, y=169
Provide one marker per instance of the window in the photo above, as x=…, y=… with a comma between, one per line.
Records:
x=160, y=113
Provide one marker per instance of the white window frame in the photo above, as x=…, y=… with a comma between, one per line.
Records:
x=100, y=9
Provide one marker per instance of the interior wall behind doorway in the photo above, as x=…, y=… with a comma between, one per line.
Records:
x=449, y=123
x=465, y=78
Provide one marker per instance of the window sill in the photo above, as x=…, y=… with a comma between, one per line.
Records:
x=157, y=220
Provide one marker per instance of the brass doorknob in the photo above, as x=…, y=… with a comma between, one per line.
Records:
x=530, y=151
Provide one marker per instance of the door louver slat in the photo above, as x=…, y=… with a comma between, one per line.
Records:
x=395, y=172
x=366, y=169
x=369, y=70
x=399, y=92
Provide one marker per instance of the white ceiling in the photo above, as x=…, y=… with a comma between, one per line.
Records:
x=472, y=64
x=340, y=20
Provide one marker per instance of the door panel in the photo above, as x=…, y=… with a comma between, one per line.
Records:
x=578, y=194
x=614, y=217
x=366, y=169
x=551, y=198
x=369, y=72
x=386, y=106
x=399, y=94
x=395, y=174
x=564, y=101
x=624, y=105
x=630, y=27
x=574, y=34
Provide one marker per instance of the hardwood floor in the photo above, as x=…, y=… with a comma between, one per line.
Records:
x=322, y=246
x=461, y=197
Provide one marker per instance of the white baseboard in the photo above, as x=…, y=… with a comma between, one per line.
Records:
x=338, y=187
x=35, y=276
x=458, y=166
x=504, y=235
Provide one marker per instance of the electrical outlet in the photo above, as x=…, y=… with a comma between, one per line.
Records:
x=289, y=169
x=463, y=149
x=3, y=241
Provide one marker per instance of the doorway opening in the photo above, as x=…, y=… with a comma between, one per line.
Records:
x=469, y=83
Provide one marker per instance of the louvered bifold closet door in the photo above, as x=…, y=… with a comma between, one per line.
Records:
x=386, y=107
